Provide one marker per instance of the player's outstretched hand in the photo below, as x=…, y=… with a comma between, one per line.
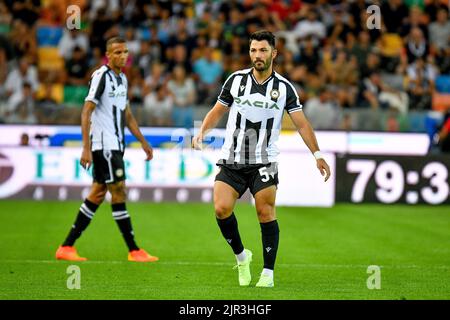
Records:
x=148, y=151
x=197, y=142
x=324, y=169
x=86, y=158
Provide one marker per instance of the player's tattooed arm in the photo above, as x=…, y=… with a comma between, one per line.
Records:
x=134, y=129
x=306, y=131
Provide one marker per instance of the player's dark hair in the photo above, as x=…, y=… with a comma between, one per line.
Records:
x=263, y=35
x=114, y=40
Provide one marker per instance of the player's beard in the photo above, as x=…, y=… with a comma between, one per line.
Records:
x=265, y=65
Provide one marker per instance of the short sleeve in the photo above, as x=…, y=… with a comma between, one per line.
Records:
x=225, y=96
x=96, y=87
x=292, y=100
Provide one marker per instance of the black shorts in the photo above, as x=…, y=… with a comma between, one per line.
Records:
x=108, y=166
x=255, y=176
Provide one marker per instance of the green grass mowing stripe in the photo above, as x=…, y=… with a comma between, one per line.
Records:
x=323, y=252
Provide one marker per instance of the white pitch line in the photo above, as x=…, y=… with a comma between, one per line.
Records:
x=200, y=263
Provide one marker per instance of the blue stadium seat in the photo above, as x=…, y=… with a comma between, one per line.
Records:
x=443, y=84
x=417, y=121
x=49, y=36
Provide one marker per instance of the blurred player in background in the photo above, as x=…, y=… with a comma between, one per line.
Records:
x=256, y=99
x=107, y=109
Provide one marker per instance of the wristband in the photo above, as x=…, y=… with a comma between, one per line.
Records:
x=318, y=155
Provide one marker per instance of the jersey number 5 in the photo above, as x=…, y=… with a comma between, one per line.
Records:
x=264, y=174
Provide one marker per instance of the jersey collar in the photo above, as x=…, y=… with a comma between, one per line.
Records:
x=265, y=81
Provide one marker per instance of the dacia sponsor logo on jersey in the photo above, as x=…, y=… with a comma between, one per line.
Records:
x=116, y=95
x=256, y=103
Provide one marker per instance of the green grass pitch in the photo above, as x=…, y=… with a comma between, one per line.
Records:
x=324, y=253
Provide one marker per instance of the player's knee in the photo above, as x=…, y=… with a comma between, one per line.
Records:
x=222, y=210
x=265, y=212
x=100, y=196
x=97, y=195
x=118, y=192
x=118, y=196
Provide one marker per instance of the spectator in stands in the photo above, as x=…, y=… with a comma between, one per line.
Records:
x=71, y=39
x=432, y=7
x=309, y=54
x=342, y=74
x=24, y=111
x=200, y=48
x=208, y=72
x=77, y=68
x=161, y=37
x=182, y=90
x=99, y=27
x=24, y=73
x=394, y=14
x=371, y=64
x=24, y=140
x=23, y=40
x=443, y=61
x=135, y=86
x=181, y=36
x=47, y=106
x=179, y=57
x=311, y=26
x=134, y=45
x=414, y=20
x=144, y=58
x=339, y=29
x=420, y=84
x=156, y=78
x=236, y=49
x=322, y=111
x=235, y=26
x=392, y=124
x=362, y=48
x=440, y=31
x=5, y=15
x=346, y=122
x=26, y=11
x=416, y=45
x=158, y=107
x=374, y=93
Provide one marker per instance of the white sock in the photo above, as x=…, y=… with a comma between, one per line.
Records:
x=267, y=272
x=241, y=256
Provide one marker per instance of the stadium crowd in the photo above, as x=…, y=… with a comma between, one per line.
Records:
x=349, y=76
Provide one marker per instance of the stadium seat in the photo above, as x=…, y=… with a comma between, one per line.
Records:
x=4, y=28
x=57, y=92
x=391, y=45
x=440, y=101
x=49, y=59
x=416, y=121
x=48, y=36
x=442, y=84
x=74, y=95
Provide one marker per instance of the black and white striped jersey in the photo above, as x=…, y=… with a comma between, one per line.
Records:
x=109, y=92
x=256, y=112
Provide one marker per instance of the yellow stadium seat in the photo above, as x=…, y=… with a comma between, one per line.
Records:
x=57, y=92
x=391, y=45
x=49, y=59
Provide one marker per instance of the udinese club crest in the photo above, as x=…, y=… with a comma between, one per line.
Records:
x=274, y=94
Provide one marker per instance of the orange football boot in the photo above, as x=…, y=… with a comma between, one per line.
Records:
x=141, y=256
x=68, y=253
